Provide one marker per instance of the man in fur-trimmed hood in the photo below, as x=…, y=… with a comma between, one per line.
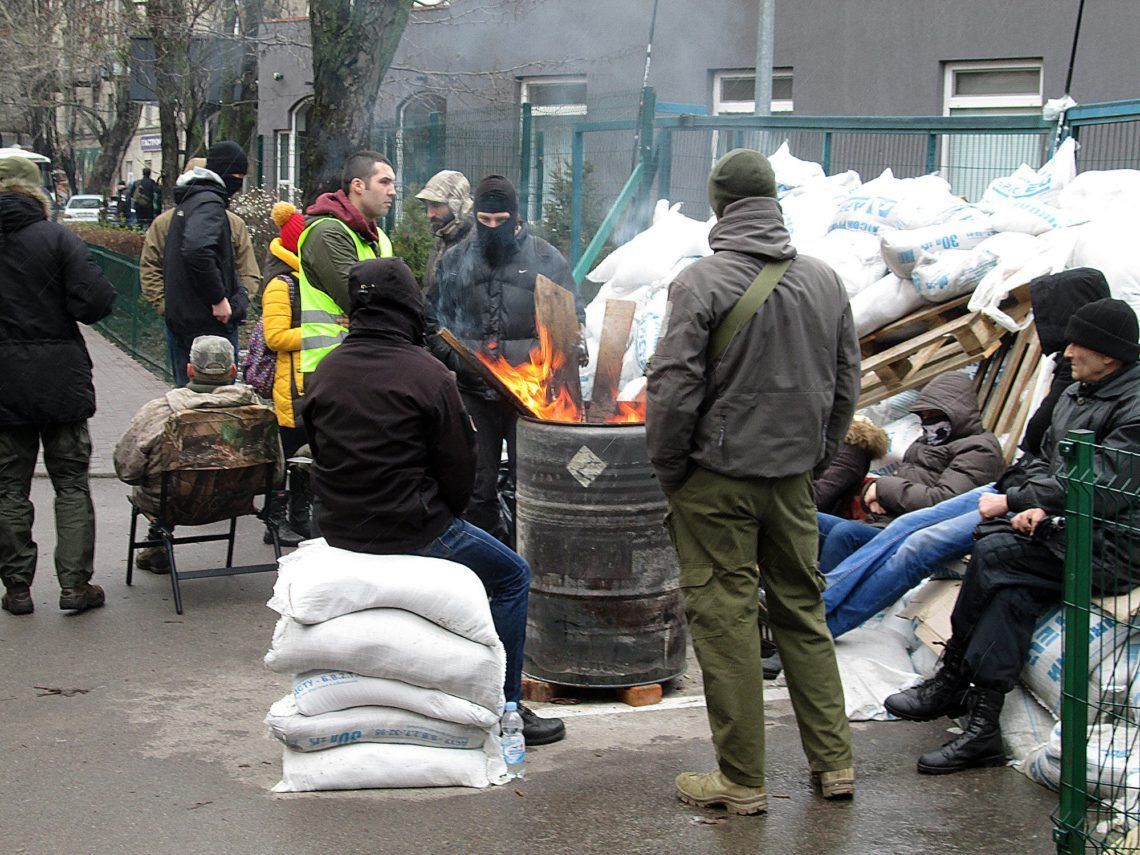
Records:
x=49, y=282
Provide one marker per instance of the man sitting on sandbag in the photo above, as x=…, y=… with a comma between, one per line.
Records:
x=1016, y=573
x=394, y=457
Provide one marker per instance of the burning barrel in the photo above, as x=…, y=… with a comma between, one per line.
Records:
x=605, y=606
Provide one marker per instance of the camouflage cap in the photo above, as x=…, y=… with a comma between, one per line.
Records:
x=450, y=188
x=212, y=357
x=17, y=171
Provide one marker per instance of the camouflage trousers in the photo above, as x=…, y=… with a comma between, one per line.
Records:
x=67, y=456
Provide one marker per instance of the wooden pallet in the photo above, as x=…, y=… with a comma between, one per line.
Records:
x=541, y=691
x=1005, y=385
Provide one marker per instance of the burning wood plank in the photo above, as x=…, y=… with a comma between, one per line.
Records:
x=473, y=362
x=554, y=311
x=611, y=351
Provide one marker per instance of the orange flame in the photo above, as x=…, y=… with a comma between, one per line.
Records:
x=533, y=383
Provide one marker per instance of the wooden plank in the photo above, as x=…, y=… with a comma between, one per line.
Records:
x=616, y=325
x=554, y=309
x=462, y=351
x=1015, y=409
x=918, y=378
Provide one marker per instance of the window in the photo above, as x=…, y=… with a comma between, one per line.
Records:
x=735, y=91
x=557, y=104
x=972, y=161
x=555, y=96
x=287, y=152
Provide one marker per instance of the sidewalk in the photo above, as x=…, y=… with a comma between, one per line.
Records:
x=122, y=385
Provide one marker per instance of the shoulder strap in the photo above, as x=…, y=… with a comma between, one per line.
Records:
x=752, y=299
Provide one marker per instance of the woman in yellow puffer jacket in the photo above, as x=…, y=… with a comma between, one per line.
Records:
x=281, y=317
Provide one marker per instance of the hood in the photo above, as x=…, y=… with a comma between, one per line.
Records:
x=230, y=395
x=953, y=394
x=754, y=226
x=337, y=205
x=385, y=300
x=868, y=436
x=20, y=208
x=200, y=175
x=1056, y=297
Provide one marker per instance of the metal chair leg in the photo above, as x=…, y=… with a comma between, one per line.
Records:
x=230, y=546
x=174, y=586
x=131, y=544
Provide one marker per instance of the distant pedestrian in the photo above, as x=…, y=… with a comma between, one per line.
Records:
x=144, y=199
x=122, y=203
x=49, y=282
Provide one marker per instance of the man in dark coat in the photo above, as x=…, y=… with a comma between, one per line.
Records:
x=202, y=291
x=394, y=457
x=49, y=281
x=144, y=197
x=485, y=294
x=1015, y=575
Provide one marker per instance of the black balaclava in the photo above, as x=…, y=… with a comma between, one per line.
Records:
x=226, y=158
x=494, y=195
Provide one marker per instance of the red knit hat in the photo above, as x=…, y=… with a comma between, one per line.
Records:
x=290, y=222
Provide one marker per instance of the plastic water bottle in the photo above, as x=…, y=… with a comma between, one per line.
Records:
x=513, y=744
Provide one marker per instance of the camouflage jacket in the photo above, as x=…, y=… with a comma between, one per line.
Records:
x=138, y=453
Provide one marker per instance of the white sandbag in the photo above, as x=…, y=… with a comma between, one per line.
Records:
x=317, y=692
x=395, y=644
x=927, y=200
x=809, y=210
x=791, y=172
x=873, y=664
x=1118, y=675
x=882, y=302
x=1040, y=185
x=871, y=207
x=387, y=725
x=854, y=255
x=650, y=255
x=1025, y=725
x=900, y=248
x=1110, y=245
x=950, y=274
x=372, y=766
x=1092, y=193
x=1030, y=217
x=319, y=582
x=1021, y=259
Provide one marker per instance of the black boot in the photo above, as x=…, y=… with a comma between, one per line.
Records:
x=278, y=502
x=300, y=506
x=942, y=694
x=980, y=743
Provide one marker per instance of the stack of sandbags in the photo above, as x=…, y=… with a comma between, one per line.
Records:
x=398, y=673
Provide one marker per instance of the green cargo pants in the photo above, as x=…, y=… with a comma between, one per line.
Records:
x=67, y=456
x=728, y=533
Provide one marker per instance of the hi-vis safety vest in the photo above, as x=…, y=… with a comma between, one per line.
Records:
x=321, y=331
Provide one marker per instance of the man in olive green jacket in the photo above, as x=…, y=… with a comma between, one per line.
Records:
x=734, y=445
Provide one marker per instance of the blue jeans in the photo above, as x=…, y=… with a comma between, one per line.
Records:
x=505, y=576
x=838, y=538
x=178, y=352
x=898, y=558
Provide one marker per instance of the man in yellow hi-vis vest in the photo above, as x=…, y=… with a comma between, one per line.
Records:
x=341, y=231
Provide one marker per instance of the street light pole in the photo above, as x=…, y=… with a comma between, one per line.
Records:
x=765, y=29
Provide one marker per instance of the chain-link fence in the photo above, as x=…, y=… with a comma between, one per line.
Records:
x=1099, y=808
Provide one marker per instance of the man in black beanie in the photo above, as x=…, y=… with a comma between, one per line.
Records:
x=1014, y=576
x=202, y=288
x=485, y=294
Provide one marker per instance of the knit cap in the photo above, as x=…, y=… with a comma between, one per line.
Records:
x=740, y=174
x=290, y=222
x=227, y=158
x=1106, y=326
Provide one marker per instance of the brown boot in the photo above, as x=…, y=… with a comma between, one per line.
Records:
x=153, y=559
x=81, y=598
x=18, y=600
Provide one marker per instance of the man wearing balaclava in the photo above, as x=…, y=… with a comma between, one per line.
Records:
x=202, y=290
x=734, y=440
x=485, y=295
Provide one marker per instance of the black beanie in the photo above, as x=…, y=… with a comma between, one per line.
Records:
x=740, y=174
x=495, y=195
x=1108, y=327
x=227, y=158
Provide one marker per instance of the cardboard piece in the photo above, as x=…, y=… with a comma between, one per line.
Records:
x=930, y=607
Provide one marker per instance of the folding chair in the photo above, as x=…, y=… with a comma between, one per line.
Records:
x=212, y=463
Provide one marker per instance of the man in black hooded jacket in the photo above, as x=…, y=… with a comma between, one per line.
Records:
x=202, y=290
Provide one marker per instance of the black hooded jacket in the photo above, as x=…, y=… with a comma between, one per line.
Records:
x=394, y=454
x=48, y=281
x=198, y=267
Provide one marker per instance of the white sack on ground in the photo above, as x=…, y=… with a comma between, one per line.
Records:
x=650, y=255
x=1030, y=217
x=1040, y=185
x=386, y=725
x=950, y=274
x=1111, y=246
x=791, y=172
x=1091, y=194
x=317, y=692
x=395, y=644
x=810, y=209
x=1025, y=726
x=855, y=256
x=900, y=248
x=892, y=203
x=372, y=766
x=319, y=582
x=883, y=302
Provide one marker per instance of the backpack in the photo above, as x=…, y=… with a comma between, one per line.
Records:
x=260, y=363
x=139, y=197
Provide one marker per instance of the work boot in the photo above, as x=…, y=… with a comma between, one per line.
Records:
x=713, y=788
x=278, y=509
x=839, y=784
x=17, y=600
x=81, y=598
x=540, y=731
x=980, y=743
x=771, y=662
x=300, y=502
x=942, y=694
x=153, y=559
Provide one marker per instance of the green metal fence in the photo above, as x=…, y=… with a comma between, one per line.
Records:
x=133, y=325
x=1099, y=809
x=1108, y=135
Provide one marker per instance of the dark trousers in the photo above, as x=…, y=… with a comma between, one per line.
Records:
x=292, y=438
x=67, y=456
x=1010, y=583
x=494, y=422
x=178, y=351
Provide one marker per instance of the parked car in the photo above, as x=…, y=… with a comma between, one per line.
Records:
x=83, y=209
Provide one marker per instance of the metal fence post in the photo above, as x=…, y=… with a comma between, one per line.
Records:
x=577, y=168
x=665, y=165
x=435, y=142
x=1077, y=449
x=524, y=164
x=539, y=171
x=931, y=153
x=825, y=157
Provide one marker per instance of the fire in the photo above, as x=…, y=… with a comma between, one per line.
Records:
x=533, y=383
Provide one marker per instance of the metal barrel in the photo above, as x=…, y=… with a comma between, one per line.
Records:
x=605, y=604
